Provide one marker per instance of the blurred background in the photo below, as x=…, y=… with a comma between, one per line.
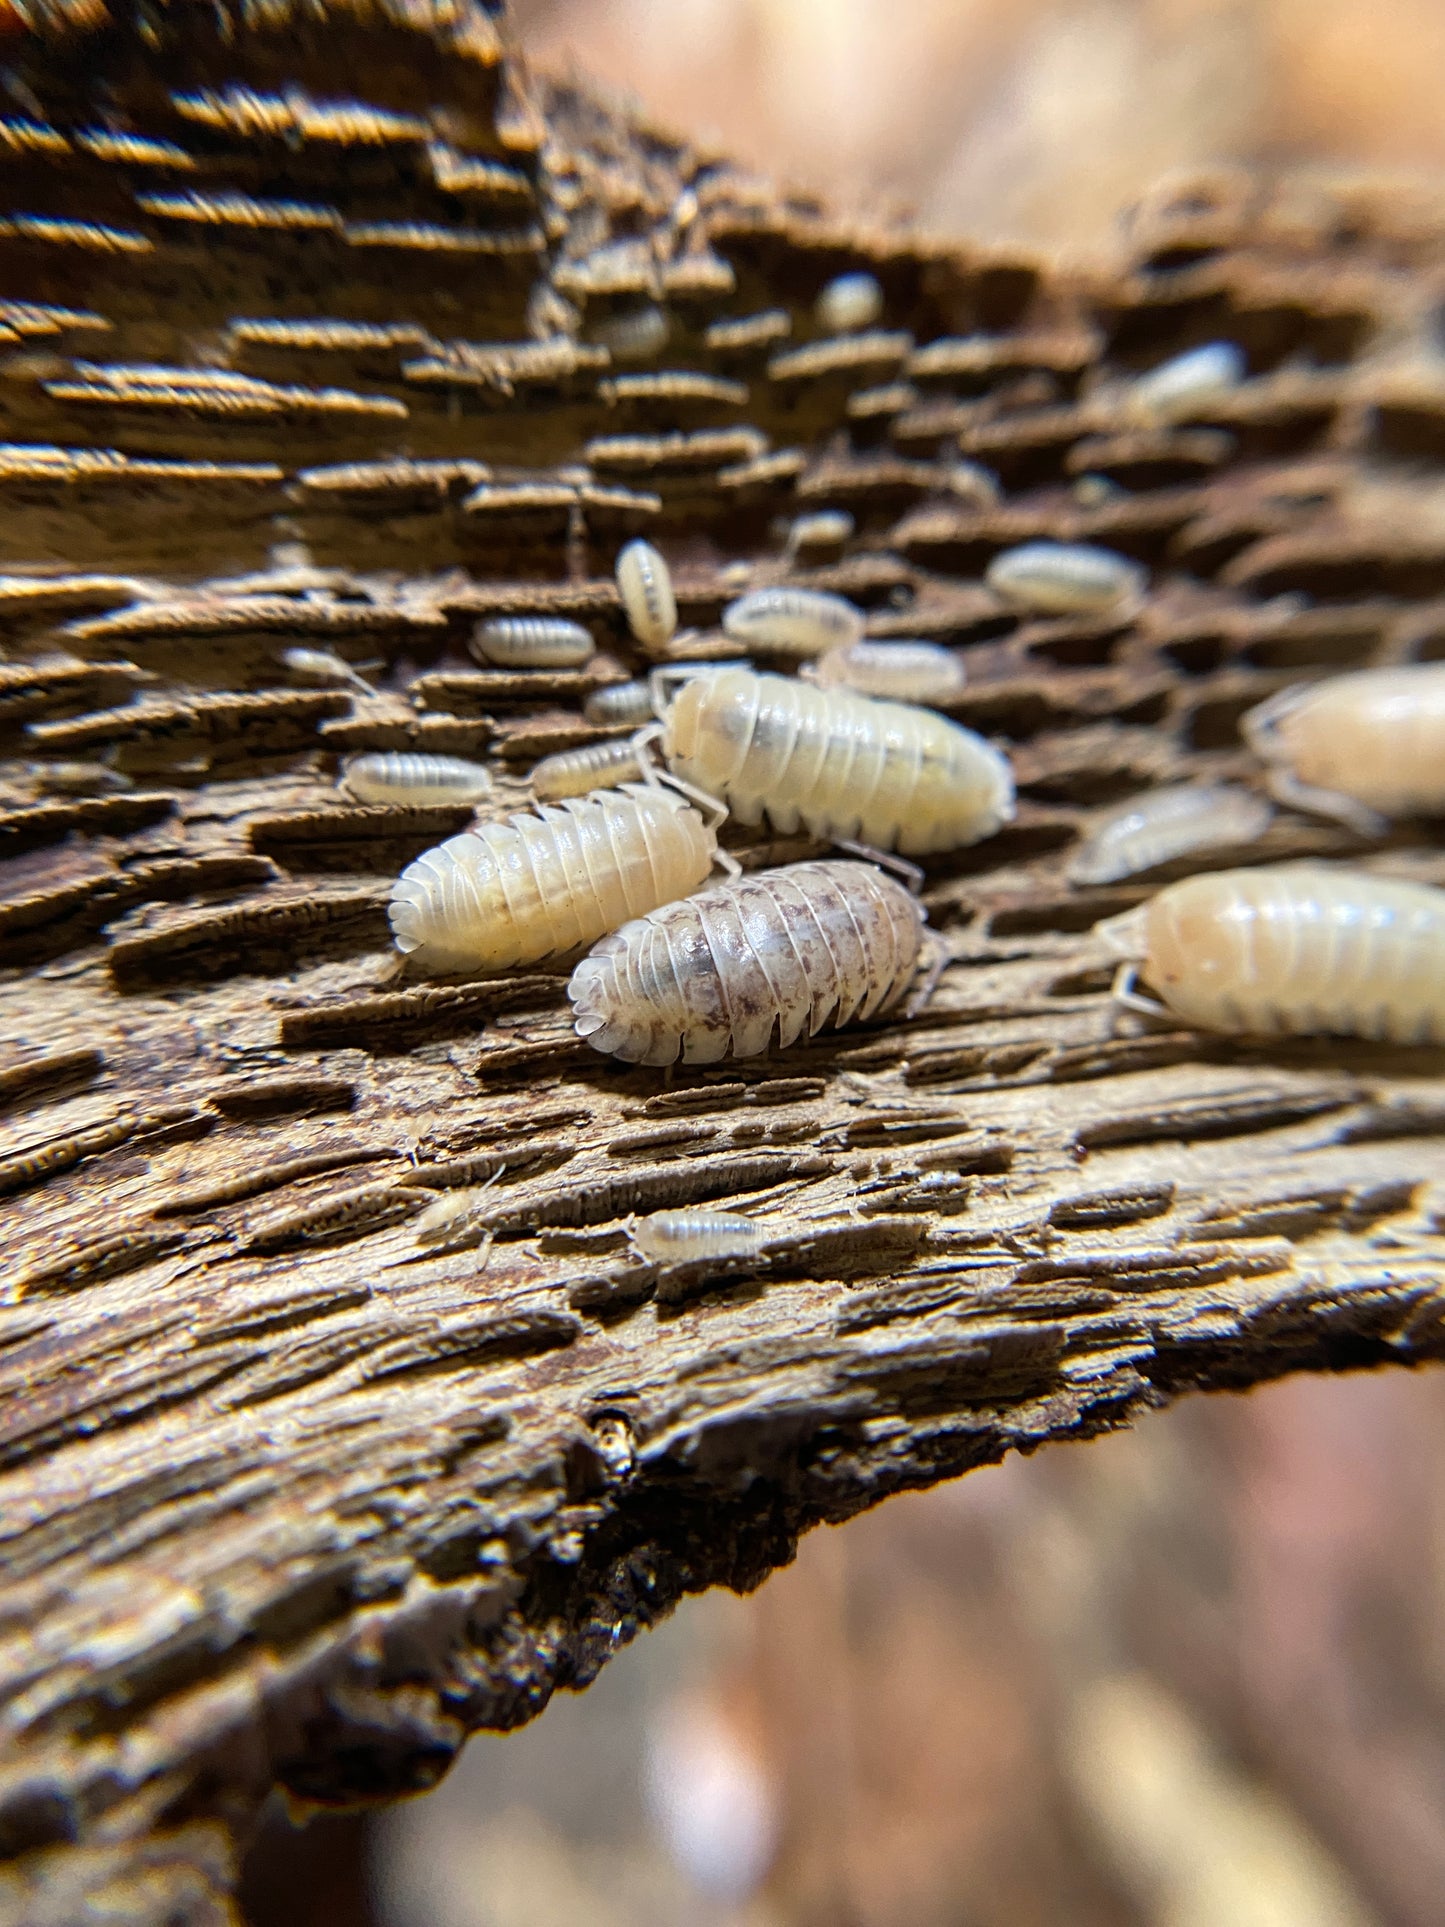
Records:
x=1190, y=1676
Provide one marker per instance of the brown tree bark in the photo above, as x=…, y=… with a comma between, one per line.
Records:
x=288, y=1499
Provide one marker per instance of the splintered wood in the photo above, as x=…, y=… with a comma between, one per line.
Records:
x=332, y=334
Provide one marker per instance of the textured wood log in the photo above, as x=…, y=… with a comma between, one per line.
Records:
x=290, y=1500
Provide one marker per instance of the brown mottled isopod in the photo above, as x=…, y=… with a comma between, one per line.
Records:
x=572, y=772
x=646, y=587
x=512, y=892
x=411, y=776
x=780, y=952
x=1167, y=823
x=845, y=766
x=1296, y=947
x=1361, y=747
x=532, y=642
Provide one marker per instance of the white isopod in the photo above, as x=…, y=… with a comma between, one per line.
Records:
x=844, y=766
x=513, y=892
x=1167, y=823
x=619, y=702
x=849, y=302
x=1361, y=747
x=904, y=672
x=827, y=529
x=1066, y=579
x=636, y=334
x=410, y=776
x=324, y=665
x=573, y=772
x=646, y=587
x=1176, y=387
x=779, y=952
x=532, y=642
x=675, y=1237
x=1297, y=947
x=792, y=622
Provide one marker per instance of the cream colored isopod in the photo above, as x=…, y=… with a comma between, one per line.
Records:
x=903, y=672
x=573, y=772
x=677, y=1237
x=535, y=885
x=645, y=584
x=780, y=952
x=844, y=766
x=1360, y=748
x=1296, y=947
x=792, y=622
x=1165, y=824
x=412, y=777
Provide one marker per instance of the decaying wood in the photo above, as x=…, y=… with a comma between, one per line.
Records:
x=291, y=1499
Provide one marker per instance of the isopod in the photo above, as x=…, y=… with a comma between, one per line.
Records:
x=409, y=776
x=845, y=766
x=1065, y=579
x=572, y=772
x=792, y=622
x=532, y=642
x=1360, y=747
x=619, y=702
x=905, y=672
x=451, y=1222
x=80, y=779
x=827, y=529
x=636, y=334
x=781, y=951
x=324, y=665
x=1167, y=823
x=646, y=587
x=1298, y=947
x=513, y=892
x=675, y=1237
x=1177, y=386
x=849, y=302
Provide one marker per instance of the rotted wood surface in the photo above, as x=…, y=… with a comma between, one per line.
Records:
x=287, y=1500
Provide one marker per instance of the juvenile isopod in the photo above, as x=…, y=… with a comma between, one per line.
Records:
x=1361, y=747
x=1167, y=823
x=675, y=1237
x=451, y=1223
x=619, y=702
x=324, y=665
x=849, y=302
x=532, y=642
x=904, y=672
x=1297, y=947
x=1066, y=579
x=792, y=622
x=827, y=529
x=80, y=779
x=1179, y=385
x=409, y=776
x=572, y=772
x=513, y=892
x=635, y=334
x=845, y=766
x=779, y=952
x=646, y=587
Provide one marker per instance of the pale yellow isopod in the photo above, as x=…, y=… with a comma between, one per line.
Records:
x=532, y=642
x=1066, y=579
x=792, y=622
x=825, y=529
x=645, y=584
x=412, y=777
x=619, y=703
x=1361, y=747
x=777, y=953
x=572, y=772
x=903, y=671
x=1296, y=947
x=844, y=766
x=677, y=1237
x=1165, y=824
x=538, y=884
x=849, y=302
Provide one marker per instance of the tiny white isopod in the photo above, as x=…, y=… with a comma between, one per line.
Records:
x=324, y=665
x=573, y=772
x=903, y=671
x=635, y=334
x=532, y=642
x=675, y=1237
x=1066, y=578
x=826, y=529
x=1175, y=387
x=538, y=884
x=1300, y=948
x=1168, y=823
x=779, y=952
x=646, y=587
x=844, y=766
x=792, y=622
x=1361, y=747
x=619, y=703
x=849, y=302
x=411, y=776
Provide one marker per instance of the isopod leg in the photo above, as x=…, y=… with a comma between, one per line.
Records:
x=715, y=810
x=1289, y=790
x=939, y=959
x=908, y=873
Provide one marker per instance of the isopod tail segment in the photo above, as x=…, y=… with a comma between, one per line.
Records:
x=1124, y=937
x=715, y=811
x=1260, y=729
